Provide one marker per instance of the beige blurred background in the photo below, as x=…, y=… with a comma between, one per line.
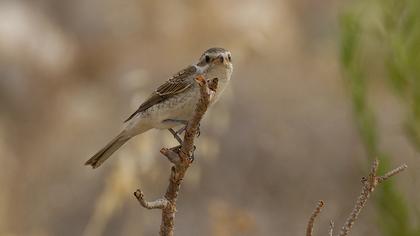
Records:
x=281, y=138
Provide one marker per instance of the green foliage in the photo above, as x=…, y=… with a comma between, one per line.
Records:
x=402, y=32
x=397, y=52
x=357, y=83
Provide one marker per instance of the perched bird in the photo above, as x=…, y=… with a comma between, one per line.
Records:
x=173, y=103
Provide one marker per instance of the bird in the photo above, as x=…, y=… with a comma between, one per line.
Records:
x=173, y=103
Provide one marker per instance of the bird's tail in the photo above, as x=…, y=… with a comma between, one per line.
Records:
x=101, y=156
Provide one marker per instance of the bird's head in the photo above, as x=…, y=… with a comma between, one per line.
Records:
x=215, y=58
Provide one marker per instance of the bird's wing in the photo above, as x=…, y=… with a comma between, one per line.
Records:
x=177, y=84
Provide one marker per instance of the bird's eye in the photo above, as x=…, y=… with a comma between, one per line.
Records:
x=229, y=57
x=207, y=59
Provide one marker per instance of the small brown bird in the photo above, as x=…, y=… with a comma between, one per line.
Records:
x=173, y=103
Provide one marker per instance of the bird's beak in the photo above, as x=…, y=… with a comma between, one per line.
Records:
x=220, y=60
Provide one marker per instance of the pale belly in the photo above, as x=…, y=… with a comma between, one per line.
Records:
x=173, y=111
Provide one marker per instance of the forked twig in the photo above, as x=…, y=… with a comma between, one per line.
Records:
x=369, y=184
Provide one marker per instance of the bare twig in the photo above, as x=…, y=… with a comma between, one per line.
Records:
x=330, y=232
x=310, y=227
x=391, y=173
x=157, y=204
x=181, y=157
x=369, y=184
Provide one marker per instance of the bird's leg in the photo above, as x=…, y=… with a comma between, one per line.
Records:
x=176, y=123
x=181, y=130
x=176, y=136
x=181, y=122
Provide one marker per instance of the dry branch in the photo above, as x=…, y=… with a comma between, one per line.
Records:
x=369, y=184
x=181, y=157
x=331, y=230
x=310, y=227
x=157, y=204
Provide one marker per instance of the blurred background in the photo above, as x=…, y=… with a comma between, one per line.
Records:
x=319, y=89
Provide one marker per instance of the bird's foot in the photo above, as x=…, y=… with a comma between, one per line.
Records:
x=182, y=130
x=192, y=157
x=176, y=136
x=198, y=131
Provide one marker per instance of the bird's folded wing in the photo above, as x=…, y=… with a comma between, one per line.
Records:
x=177, y=84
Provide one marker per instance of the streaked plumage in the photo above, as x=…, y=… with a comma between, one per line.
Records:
x=177, y=84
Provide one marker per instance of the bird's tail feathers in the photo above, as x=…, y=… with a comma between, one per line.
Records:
x=101, y=156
